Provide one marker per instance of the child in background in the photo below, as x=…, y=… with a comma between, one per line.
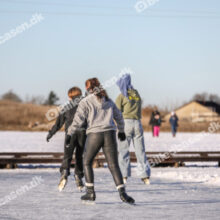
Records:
x=155, y=112
x=156, y=122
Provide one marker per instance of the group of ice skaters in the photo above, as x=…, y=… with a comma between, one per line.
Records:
x=96, y=123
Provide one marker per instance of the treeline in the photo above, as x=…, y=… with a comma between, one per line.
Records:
x=205, y=97
x=52, y=99
x=38, y=100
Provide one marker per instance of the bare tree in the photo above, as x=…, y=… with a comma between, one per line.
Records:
x=10, y=95
x=214, y=98
x=204, y=97
x=38, y=100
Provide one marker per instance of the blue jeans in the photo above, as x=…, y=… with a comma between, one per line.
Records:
x=134, y=133
x=173, y=129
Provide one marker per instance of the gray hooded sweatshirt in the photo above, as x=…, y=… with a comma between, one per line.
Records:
x=100, y=116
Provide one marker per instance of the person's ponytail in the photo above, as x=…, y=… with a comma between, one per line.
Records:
x=94, y=87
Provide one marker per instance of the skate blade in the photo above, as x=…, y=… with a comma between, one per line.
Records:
x=62, y=184
x=132, y=204
x=86, y=202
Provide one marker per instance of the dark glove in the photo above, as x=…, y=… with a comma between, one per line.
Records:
x=68, y=138
x=121, y=136
x=49, y=136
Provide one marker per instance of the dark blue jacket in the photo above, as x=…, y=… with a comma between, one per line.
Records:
x=174, y=121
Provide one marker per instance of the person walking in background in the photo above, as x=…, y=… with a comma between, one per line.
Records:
x=174, y=123
x=129, y=103
x=77, y=142
x=156, y=123
x=151, y=122
x=101, y=114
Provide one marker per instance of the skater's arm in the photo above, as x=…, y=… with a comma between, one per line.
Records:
x=151, y=119
x=79, y=119
x=117, y=115
x=170, y=120
x=118, y=103
x=58, y=125
x=177, y=119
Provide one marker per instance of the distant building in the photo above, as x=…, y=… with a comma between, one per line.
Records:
x=196, y=111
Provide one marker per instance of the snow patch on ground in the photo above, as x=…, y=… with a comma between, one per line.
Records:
x=208, y=176
x=16, y=141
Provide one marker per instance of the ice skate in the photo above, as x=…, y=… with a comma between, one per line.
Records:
x=79, y=183
x=124, y=196
x=63, y=180
x=89, y=197
x=146, y=180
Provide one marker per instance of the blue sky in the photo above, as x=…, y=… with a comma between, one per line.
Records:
x=172, y=47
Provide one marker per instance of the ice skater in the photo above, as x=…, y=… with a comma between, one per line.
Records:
x=129, y=103
x=100, y=113
x=174, y=123
x=77, y=142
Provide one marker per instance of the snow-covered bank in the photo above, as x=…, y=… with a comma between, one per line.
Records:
x=36, y=141
x=207, y=176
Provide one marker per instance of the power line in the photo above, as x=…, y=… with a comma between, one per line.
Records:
x=66, y=4
x=111, y=15
x=213, y=13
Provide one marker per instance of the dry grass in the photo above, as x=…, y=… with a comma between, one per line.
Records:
x=20, y=116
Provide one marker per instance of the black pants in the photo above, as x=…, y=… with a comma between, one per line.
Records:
x=77, y=143
x=106, y=141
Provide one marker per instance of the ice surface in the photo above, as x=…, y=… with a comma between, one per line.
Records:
x=174, y=193
x=163, y=199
